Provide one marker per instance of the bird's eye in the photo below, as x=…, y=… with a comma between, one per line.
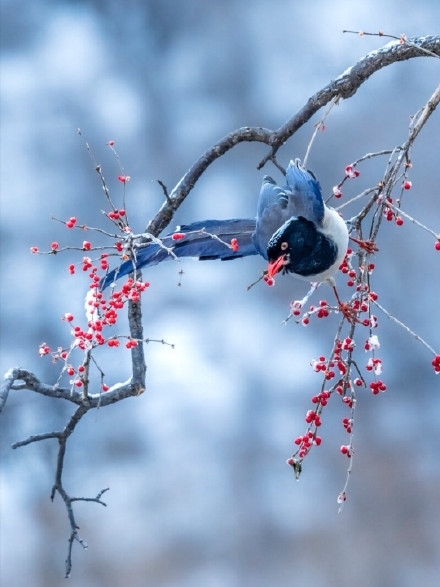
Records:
x=284, y=245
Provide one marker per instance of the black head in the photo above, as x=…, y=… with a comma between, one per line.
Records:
x=299, y=247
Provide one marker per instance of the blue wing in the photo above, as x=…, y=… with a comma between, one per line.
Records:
x=276, y=205
x=271, y=213
x=301, y=197
x=304, y=193
x=198, y=242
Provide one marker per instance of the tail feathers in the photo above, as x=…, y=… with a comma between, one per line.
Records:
x=204, y=240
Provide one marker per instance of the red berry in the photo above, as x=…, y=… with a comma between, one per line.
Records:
x=389, y=215
x=342, y=497
x=436, y=363
x=351, y=172
x=234, y=244
x=269, y=280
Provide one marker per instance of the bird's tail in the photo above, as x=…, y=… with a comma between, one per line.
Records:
x=209, y=239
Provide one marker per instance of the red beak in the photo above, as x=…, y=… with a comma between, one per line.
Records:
x=276, y=266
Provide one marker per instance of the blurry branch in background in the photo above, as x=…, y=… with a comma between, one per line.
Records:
x=81, y=389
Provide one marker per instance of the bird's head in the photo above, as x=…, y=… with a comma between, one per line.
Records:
x=280, y=248
x=306, y=249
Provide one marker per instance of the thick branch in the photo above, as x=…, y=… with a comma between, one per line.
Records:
x=30, y=381
x=344, y=86
x=139, y=367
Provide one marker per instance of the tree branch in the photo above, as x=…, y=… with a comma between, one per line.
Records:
x=344, y=86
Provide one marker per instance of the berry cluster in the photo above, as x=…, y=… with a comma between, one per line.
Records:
x=338, y=369
x=340, y=372
x=389, y=212
x=102, y=312
x=436, y=363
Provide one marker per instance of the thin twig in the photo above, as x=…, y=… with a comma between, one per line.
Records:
x=404, y=326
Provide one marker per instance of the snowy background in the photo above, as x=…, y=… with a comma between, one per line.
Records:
x=199, y=491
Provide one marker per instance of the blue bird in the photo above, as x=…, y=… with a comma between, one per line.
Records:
x=294, y=231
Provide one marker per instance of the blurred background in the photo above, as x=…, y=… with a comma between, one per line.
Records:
x=200, y=494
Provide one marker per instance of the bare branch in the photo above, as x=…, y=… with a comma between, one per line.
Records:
x=116, y=393
x=344, y=86
x=139, y=367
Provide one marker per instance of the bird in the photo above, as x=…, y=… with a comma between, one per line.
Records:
x=294, y=231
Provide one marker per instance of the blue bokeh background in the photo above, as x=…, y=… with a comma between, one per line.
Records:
x=199, y=492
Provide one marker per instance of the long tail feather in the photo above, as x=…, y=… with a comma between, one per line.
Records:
x=205, y=240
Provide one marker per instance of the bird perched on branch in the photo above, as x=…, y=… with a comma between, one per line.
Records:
x=294, y=231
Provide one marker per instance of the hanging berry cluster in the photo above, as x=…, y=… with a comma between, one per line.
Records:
x=350, y=367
